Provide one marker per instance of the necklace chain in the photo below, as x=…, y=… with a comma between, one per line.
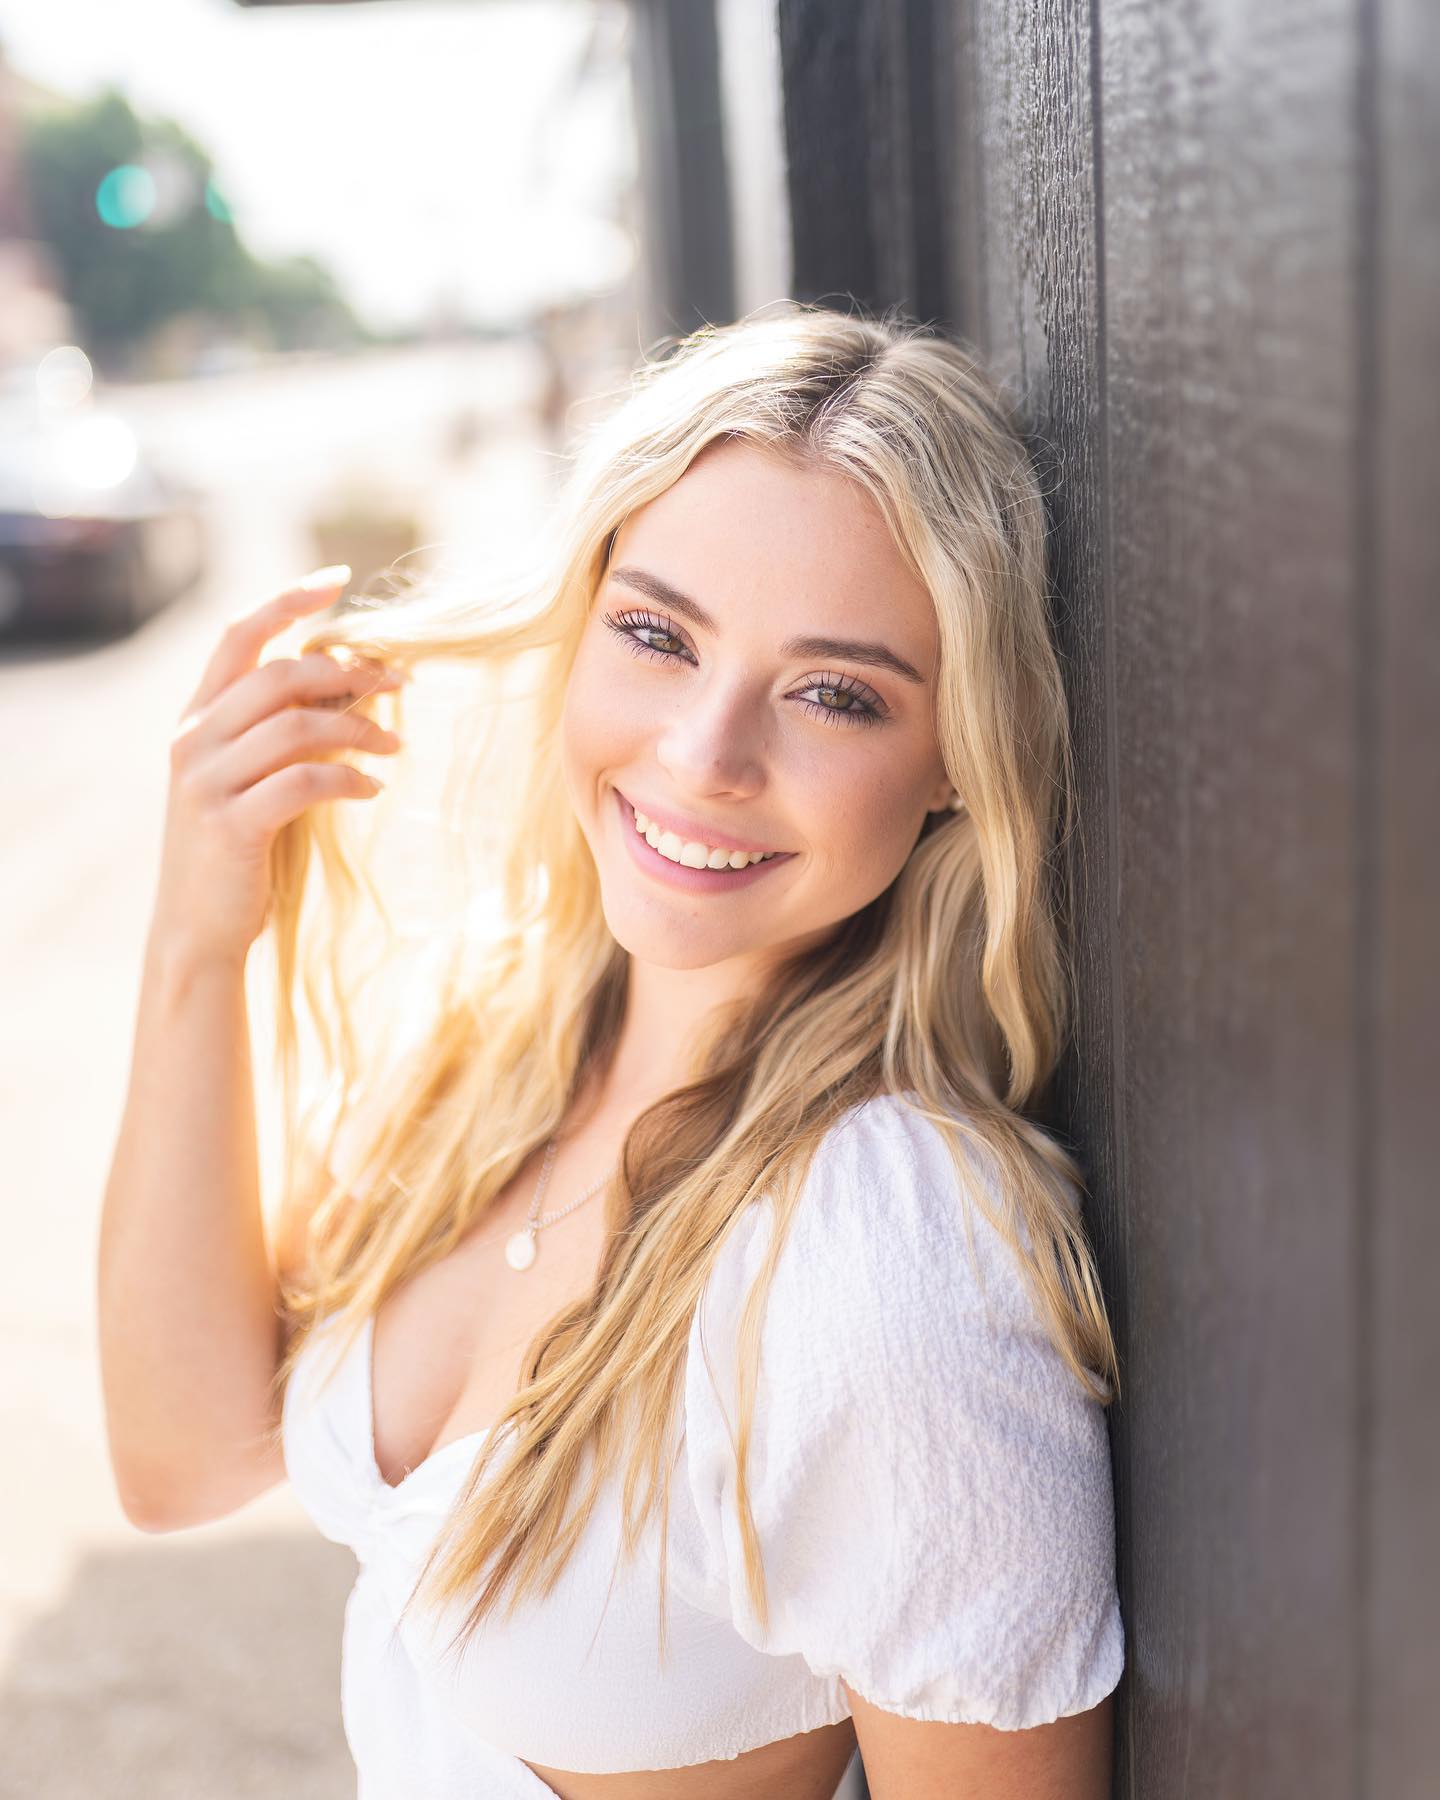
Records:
x=520, y=1248
x=536, y=1220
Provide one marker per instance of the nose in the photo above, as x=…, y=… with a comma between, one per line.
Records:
x=714, y=741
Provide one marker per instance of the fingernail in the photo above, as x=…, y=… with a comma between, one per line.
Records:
x=333, y=576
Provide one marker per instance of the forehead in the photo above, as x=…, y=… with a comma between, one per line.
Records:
x=748, y=532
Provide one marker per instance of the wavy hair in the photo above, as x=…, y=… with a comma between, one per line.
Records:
x=951, y=988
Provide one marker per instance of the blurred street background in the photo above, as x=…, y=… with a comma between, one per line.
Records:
x=276, y=290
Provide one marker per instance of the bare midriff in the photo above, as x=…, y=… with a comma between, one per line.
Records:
x=805, y=1767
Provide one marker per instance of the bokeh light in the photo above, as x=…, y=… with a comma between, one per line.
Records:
x=63, y=378
x=81, y=460
x=126, y=196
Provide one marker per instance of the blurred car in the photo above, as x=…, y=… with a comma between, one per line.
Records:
x=94, y=533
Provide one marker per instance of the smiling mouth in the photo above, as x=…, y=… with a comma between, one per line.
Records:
x=690, y=853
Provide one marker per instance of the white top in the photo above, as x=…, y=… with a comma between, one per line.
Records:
x=930, y=1484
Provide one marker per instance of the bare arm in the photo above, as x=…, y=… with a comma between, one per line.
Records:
x=190, y=1335
x=910, y=1759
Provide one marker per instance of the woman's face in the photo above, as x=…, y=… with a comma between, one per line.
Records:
x=756, y=673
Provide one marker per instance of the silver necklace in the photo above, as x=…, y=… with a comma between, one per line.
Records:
x=520, y=1249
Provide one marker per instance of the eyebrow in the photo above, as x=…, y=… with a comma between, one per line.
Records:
x=859, y=650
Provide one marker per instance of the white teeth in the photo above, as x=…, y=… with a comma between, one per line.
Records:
x=689, y=853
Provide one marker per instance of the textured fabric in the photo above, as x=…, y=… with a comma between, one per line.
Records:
x=930, y=1485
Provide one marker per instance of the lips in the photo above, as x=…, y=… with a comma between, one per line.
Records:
x=679, y=875
x=688, y=831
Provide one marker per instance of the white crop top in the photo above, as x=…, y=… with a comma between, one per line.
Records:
x=930, y=1484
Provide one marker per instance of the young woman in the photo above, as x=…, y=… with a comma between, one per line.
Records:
x=696, y=1341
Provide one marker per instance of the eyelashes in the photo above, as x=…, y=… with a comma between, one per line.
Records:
x=870, y=710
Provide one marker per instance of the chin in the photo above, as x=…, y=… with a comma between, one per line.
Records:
x=676, y=947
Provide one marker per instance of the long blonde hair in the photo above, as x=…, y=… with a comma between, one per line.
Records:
x=951, y=988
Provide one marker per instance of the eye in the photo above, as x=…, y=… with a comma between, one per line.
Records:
x=867, y=711
x=628, y=625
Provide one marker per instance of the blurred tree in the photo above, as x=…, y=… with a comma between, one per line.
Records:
x=142, y=235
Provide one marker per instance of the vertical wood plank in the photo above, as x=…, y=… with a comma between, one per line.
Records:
x=1230, y=158
x=688, y=273
x=861, y=107
x=1400, y=642
x=1023, y=279
x=829, y=167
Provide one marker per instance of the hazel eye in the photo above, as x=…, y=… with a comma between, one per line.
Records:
x=629, y=625
x=863, y=711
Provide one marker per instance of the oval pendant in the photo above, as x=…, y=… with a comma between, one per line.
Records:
x=520, y=1250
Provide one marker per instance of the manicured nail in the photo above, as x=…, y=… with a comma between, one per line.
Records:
x=334, y=576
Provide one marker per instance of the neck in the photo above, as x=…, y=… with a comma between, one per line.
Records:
x=668, y=1014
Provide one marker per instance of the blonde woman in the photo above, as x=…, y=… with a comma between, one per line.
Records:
x=696, y=1342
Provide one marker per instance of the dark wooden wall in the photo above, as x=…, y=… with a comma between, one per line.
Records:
x=1202, y=245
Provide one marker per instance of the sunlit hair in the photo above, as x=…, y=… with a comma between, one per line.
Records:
x=950, y=989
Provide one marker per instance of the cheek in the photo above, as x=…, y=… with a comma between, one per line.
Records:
x=857, y=813
x=591, y=715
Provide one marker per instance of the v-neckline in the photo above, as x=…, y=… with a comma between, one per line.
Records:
x=367, y=1359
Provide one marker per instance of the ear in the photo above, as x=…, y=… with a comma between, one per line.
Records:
x=945, y=799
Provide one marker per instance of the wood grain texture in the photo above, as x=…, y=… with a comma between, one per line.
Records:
x=1163, y=252
x=1024, y=284
x=1229, y=162
x=1399, y=647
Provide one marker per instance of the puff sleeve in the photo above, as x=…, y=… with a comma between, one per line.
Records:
x=930, y=1484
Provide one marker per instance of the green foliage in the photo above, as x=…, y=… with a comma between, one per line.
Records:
x=127, y=280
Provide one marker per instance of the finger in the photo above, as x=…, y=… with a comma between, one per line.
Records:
x=274, y=801
x=314, y=679
x=289, y=737
x=365, y=677
x=245, y=637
